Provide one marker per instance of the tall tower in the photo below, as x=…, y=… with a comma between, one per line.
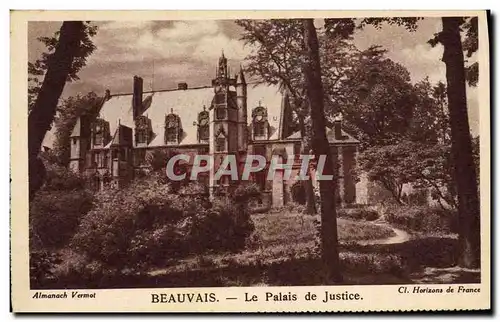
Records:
x=224, y=124
x=241, y=102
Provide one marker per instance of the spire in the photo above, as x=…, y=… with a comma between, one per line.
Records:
x=241, y=76
x=222, y=67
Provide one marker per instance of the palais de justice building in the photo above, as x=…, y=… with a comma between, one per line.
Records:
x=228, y=117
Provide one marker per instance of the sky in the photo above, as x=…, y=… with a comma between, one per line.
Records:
x=187, y=51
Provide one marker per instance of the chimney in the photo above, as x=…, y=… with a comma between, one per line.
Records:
x=137, y=96
x=107, y=95
x=182, y=86
x=337, y=125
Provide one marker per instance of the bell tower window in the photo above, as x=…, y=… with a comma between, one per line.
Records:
x=220, y=144
x=220, y=141
x=220, y=113
x=259, y=123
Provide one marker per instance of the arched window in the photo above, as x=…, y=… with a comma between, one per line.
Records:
x=143, y=130
x=100, y=132
x=203, y=126
x=259, y=123
x=259, y=129
x=173, y=128
x=220, y=141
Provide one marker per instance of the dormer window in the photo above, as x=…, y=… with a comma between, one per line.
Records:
x=100, y=132
x=142, y=137
x=203, y=126
x=173, y=129
x=172, y=135
x=260, y=124
x=259, y=129
x=143, y=130
x=98, y=137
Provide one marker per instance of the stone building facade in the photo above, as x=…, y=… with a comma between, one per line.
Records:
x=228, y=117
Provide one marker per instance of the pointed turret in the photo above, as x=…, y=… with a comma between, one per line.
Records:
x=241, y=76
x=222, y=70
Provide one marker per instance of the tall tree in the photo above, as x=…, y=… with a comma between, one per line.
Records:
x=461, y=142
x=70, y=46
x=377, y=98
x=276, y=59
x=457, y=74
x=321, y=147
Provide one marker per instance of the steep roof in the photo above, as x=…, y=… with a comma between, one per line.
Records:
x=186, y=104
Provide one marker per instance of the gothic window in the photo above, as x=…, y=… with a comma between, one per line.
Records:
x=142, y=136
x=259, y=129
x=100, y=132
x=220, y=140
x=204, y=133
x=143, y=130
x=98, y=138
x=259, y=120
x=173, y=129
x=171, y=135
x=203, y=130
x=220, y=113
x=220, y=144
x=220, y=98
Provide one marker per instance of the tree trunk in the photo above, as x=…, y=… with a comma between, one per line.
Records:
x=42, y=115
x=314, y=88
x=461, y=145
x=305, y=148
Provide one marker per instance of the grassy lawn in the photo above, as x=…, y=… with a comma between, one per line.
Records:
x=285, y=228
x=279, y=237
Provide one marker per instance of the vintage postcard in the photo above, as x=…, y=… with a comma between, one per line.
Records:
x=326, y=161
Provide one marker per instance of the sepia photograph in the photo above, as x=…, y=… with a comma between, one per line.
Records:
x=256, y=153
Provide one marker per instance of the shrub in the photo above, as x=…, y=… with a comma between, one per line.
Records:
x=57, y=208
x=245, y=192
x=371, y=263
x=423, y=219
x=224, y=227
x=358, y=214
x=146, y=223
x=42, y=265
